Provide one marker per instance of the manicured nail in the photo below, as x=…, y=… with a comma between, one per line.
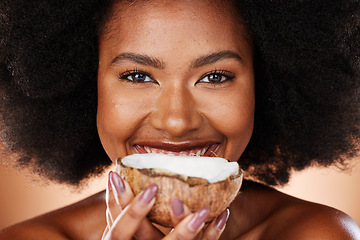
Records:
x=220, y=221
x=148, y=194
x=177, y=207
x=198, y=219
x=117, y=182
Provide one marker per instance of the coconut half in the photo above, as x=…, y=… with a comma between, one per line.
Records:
x=199, y=182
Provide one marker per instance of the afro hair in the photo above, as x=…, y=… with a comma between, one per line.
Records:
x=307, y=77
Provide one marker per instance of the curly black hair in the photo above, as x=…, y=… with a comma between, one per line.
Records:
x=307, y=77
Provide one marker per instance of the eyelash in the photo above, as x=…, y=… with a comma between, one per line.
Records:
x=128, y=73
x=222, y=72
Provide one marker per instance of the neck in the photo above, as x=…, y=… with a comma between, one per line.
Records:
x=251, y=208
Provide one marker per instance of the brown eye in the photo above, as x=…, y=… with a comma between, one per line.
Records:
x=216, y=77
x=136, y=77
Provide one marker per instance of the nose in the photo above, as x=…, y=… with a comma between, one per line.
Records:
x=176, y=112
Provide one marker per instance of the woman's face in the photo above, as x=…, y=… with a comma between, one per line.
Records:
x=175, y=77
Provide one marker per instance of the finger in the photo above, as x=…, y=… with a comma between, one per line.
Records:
x=216, y=227
x=122, y=190
x=178, y=211
x=124, y=195
x=112, y=208
x=190, y=226
x=130, y=219
x=116, y=195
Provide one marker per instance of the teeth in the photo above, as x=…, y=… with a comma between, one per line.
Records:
x=198, y=153
x=193, y=152
x=147, y=149
x=204, y=151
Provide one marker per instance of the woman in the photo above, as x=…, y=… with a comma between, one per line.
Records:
x=182, y=76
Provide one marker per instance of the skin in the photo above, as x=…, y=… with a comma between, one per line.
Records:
x=177, y=107
x=150, y=100
x=178, y=110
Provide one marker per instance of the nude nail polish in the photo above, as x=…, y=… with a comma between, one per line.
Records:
x=117, y=182
x=198, y=219
x=148, y=194
x=220, y=221
x=177, y=207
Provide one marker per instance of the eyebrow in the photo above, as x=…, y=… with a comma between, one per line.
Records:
x=139, y=58
x=156, y=63
x=214, y=57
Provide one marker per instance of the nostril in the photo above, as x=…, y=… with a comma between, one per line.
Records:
x=177, y=126
x=176, y=123
x=175, y=112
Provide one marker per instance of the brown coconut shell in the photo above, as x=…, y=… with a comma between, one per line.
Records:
x=195, y=193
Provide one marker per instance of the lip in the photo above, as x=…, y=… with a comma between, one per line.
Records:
x=178, y=147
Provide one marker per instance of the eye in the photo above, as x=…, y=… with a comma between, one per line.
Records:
x=136, y=76
x=216, y=77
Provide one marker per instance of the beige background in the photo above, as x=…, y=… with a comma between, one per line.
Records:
x=23, y=196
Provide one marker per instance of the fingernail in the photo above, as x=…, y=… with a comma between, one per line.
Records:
x=177, y=207
x=117, y=182
x=220, y=221
x=148, y=194
x=198, y=219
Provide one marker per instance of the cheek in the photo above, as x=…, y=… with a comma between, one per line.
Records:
x=235, y=118
x=114, y=116
x=232, y=114
x=118, y=116
x=237, y=126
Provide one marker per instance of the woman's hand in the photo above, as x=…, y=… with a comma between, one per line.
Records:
x=126, y=216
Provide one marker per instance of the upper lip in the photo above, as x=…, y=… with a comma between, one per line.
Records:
x=176, y=146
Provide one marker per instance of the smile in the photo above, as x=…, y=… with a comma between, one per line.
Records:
x=208, y=150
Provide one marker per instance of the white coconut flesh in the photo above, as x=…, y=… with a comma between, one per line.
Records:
x=213, y=169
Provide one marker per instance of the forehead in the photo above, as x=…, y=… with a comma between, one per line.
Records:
x=162, y=27
x=135, y=11
x=172, y=5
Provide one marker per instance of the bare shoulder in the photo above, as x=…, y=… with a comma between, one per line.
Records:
x=305, y=220
x=32, y=230
x=261, y=212
x=82, y=220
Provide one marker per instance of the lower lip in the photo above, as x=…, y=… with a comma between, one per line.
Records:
x=211, y=151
